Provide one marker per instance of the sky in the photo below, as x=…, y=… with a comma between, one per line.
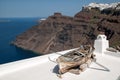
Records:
x=43, y=8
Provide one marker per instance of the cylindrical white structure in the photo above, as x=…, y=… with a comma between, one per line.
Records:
x=101, y=44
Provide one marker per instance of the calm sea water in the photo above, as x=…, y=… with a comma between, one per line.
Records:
x=9, y=29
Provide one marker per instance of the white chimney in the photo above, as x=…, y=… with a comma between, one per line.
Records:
x=101, y=44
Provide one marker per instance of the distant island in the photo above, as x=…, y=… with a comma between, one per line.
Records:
x=5, y=20
x=59, y=32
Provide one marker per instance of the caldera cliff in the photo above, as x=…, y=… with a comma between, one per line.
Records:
x=59, y=32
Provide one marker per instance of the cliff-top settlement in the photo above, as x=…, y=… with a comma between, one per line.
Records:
x=59, y=32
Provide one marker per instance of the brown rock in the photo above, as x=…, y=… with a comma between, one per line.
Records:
x=59, y=32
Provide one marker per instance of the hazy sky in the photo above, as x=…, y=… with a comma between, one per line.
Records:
x=43, y=8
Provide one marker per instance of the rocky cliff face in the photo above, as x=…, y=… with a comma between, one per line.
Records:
x=59, y=32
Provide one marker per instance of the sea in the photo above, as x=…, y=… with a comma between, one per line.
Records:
x=9, y=29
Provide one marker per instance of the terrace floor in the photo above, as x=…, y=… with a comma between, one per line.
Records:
x=106, y=67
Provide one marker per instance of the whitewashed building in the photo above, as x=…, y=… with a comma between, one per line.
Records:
x=107, y=66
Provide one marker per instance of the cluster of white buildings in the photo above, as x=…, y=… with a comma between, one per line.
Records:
x=103, y=6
